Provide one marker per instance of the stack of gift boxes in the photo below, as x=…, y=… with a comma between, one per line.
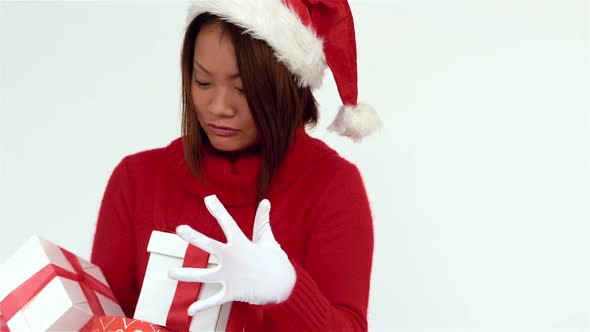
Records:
x=44, y=287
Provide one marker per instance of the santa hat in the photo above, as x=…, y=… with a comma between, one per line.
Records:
x=307, y=36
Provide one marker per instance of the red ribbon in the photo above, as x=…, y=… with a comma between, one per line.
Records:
x=26, y=291
x=237, y=317
x=3, y=323
x=186, y=292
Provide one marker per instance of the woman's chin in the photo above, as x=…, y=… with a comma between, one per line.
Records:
x=232, y=144
x=225, y=145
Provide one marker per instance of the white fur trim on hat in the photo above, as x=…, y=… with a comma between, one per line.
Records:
x=293, y=43
x=356, y=122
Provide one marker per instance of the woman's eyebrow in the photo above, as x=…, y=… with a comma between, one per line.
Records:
x=232, y=76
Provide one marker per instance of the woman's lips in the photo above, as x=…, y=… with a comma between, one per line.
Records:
x=222, y=131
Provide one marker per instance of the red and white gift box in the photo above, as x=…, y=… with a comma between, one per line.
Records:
x=165, y=301
x=44, y=287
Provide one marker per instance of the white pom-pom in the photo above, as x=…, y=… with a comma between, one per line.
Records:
x=356, y=122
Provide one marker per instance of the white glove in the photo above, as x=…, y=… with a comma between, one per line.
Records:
x=257, y=272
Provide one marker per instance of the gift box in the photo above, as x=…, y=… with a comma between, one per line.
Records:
x=44, y=287
x=165, y=301
x=121, y=324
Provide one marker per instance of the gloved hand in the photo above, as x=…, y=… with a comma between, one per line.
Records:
x=257, y=271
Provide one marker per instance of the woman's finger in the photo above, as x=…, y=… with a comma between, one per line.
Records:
x=197, y=239
x=225, y=220
x=194, y=274
x=207, y=303
x=262, y=231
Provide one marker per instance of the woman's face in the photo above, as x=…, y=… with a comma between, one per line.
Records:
x=216, y=90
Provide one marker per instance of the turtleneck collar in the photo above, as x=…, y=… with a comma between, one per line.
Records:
x=234, y=177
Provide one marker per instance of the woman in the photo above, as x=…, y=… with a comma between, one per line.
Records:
x=245, y=105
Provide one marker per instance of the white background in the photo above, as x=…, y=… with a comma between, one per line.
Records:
x=479, y=179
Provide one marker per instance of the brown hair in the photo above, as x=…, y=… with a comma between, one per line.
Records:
x=278, y=105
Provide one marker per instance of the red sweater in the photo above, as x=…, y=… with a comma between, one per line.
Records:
x=320, y=216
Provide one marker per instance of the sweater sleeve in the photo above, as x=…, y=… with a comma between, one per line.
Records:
x=113, y=248
x=331, y=292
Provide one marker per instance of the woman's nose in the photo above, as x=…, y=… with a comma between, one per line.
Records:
x=221, y=104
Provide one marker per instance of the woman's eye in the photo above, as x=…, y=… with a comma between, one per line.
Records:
x=240, y=90
x=202, y=83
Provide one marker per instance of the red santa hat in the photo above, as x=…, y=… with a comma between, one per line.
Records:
x=307, y=36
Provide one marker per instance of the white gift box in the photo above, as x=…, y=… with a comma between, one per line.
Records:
x=59, y=306
x=167, y=251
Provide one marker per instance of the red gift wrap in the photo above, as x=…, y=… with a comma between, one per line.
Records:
x=121, y=324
